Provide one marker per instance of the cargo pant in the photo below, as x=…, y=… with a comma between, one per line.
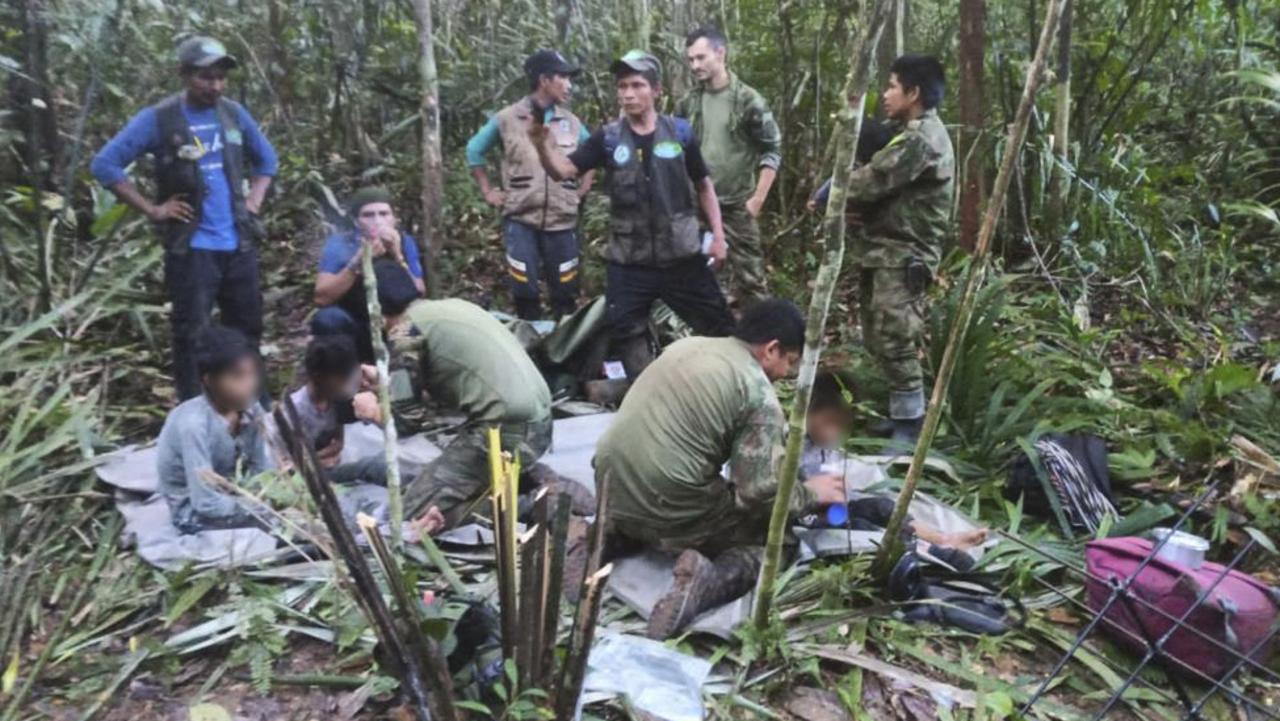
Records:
x=541, y=256
x=461, y=476
x=745, y=269
x=892, y=313
x=197, y=280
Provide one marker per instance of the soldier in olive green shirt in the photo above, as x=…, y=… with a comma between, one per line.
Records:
x=903, y=201
x=704, y=403
x=462, y=358
x=738, y=137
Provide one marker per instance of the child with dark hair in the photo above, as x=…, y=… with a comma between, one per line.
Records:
x=215, y=434
x=827, y=424
x=325, y=405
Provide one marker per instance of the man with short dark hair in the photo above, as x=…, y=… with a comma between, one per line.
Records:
x=539, y=215
x=213, y=168
x=339, y=289
x=217, y=433
x=903, y=198
x=461, y=358
x=705, y=403
x=653, y=166
x=742, y=144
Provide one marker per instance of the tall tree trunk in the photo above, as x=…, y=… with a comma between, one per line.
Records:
x=432, y=162
x=848, y=126
x=41, y=137
x=899, y=28
x=891, y=544
x=1059, y=184
x=973, y=40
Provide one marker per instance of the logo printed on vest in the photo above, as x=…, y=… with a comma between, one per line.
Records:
x=621, y=154
x=234, y=137
x=668, y=149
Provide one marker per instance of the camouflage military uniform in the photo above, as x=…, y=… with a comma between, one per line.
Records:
x=738, y=135
x=904, y=200
x=703, y=403
x=464, y=359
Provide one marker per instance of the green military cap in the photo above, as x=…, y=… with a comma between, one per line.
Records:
x=203, y=52
x=638, y=61
x=367, y=195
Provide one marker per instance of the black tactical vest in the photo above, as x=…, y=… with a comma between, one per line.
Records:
x=176, y=175
x=653, y=216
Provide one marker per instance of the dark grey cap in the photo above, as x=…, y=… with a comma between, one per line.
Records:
x=638, y=61
x=203, y=52
x=548, y=62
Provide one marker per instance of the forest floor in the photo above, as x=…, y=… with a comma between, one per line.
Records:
x=303, y=659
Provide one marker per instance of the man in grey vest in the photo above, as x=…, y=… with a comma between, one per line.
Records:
x=539, y=215
x=212, y=171
x=657, y=181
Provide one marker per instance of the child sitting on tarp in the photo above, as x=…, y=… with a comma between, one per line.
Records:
x=216, y=435
x=827, y=424
x=325, y=405
x=332, y=398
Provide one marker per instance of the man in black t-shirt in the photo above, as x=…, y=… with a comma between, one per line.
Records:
x=657, y=182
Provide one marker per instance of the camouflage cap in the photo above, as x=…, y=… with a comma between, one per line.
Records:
x=203, y=52
x=640, y=62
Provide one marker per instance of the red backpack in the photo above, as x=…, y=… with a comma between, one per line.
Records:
x=1239, y=612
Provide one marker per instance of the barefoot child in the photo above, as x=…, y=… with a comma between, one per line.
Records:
x=827, y=424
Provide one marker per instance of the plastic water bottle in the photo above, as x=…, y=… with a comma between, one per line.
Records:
x=837, y=515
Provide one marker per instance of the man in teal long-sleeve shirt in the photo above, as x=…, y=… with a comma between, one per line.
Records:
x=539, y=215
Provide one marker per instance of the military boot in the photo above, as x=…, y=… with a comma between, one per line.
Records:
x=701, y=584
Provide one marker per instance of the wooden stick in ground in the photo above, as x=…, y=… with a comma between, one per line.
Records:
x=368, y=594
x=504, y=546
x=418, y=643
x=584, y=630
x=847, y=130
x=533, y=570
x=553, y=585
x=891, y=545
x=382, y=360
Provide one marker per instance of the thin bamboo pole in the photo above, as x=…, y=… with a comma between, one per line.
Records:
x=847, y=130
x=367, y=593
x=891, y=545
x=381, y=359
x=424, y=647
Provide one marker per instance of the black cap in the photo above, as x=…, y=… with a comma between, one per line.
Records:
x=203, y=52
x=548, y=62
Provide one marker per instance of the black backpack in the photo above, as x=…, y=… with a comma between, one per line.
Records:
x=1065, y=477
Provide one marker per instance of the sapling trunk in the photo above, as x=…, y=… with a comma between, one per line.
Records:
x=432, y=157
x=891, y=545
x=394, y=508
x=847, y=129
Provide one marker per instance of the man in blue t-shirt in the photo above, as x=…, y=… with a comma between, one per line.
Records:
x=340, y=283
x=213, y=167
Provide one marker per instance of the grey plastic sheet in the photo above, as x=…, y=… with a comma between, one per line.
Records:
x=654, y=678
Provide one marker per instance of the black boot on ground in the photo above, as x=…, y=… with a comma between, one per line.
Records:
x=906, y=432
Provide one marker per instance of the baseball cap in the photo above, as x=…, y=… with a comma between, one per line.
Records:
x=638, y=61
x=203, y=52
x=548, y=62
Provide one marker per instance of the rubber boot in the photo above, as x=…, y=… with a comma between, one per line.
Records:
x=906, y=409
x=906, y=432
x=701, y=585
